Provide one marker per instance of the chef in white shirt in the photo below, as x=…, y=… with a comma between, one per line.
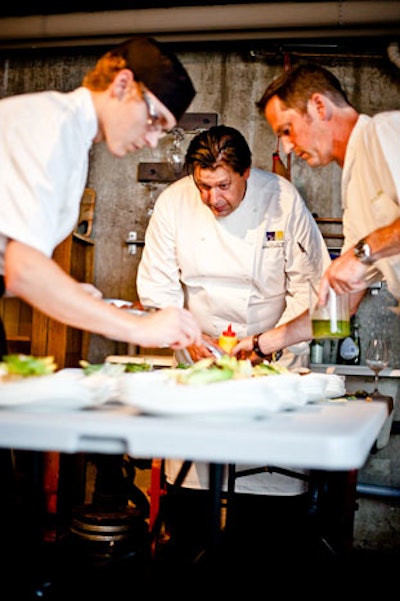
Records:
x=371, y=194
x=308, y=109
x=235, y=245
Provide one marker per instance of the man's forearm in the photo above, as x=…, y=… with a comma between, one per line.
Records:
x=385, y=241
x=294, y=331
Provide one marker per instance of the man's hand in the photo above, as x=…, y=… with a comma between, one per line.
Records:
x=244, y=349
x=170, y=327
x=345, y=274
x=199, y=351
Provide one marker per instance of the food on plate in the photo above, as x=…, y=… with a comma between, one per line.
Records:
x=124, y=306
x=18, y=366
x=303, y=371
x=226, y=367
x=269, y=369
x=109, y=368
x=133, y=367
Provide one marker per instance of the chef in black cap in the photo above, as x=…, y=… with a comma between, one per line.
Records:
x=134, y=94
x=160, y=71
x=145, y=72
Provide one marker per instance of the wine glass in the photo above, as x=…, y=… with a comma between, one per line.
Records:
x=377, y=358
x=175, y=153
x=151, y=188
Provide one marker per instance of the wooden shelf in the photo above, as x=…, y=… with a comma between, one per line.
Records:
x=32, y=332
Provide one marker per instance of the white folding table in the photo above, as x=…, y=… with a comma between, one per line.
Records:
x=322, y=437
x=326, y=435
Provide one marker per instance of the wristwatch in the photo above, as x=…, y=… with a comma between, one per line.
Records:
x=271, y=356
x=257, y=349
x=362, y=251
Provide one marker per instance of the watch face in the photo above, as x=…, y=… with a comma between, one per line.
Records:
x=363, y=252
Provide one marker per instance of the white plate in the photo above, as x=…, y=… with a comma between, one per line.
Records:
x=66, y=390
x=118, y=302
x=123, y=304
x=317, y=386
x=156, y=393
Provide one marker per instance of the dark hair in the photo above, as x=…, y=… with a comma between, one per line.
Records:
x=296, y=86
x=220, y=145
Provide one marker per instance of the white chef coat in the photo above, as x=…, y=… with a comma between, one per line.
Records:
x=249, y=269
x=45, y=140
x=371, y=188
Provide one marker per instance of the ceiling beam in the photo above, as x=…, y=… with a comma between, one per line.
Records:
x=269, y=20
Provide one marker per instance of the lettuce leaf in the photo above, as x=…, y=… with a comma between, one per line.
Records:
x=27, y=365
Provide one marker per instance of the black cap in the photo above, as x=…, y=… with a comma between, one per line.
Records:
x=160, y=71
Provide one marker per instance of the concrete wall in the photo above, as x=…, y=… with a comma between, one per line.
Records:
x=229, y=80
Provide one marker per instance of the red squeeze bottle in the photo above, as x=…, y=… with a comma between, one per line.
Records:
x=278, y=166
x=228, y=340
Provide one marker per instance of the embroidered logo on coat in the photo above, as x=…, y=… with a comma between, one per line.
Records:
x=274, y=236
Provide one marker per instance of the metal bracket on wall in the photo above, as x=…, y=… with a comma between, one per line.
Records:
x=164, y=172
x=133, y=242
x=157, y=172
x=195, y=122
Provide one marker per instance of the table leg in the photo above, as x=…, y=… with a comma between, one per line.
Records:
x=216, y=475
x=332, y=504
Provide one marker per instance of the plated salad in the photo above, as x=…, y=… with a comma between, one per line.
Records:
x=18, y=366
x=226, y=367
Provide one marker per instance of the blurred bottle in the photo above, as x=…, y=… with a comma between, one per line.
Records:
x=279, y=167
x=349, y=348
x=228, y=339
x=317, y=351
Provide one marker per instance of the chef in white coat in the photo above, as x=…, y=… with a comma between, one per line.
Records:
x=309, y=111
x=235, y=245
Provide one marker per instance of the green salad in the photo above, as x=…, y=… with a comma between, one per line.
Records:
x=226, y=367
x=113, y=368
x=18, y=366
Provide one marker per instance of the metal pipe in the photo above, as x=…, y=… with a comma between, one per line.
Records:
x=245, y=21
x=375, y=490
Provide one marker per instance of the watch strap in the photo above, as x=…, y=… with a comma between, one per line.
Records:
x=256, y=348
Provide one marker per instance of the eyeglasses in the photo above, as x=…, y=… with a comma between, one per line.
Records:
x=154, y=120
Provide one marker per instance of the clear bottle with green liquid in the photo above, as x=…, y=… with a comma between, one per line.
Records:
x=332, y=320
